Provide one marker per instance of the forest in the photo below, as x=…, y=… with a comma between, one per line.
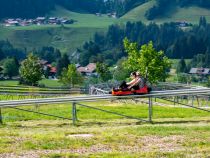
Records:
x=169, y=37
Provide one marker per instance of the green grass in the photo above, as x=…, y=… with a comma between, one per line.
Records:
x=84, y=20
x=176, y=61
x=9, y=83
x=176, y=132
x=51, y=83
x=190, y=14
x=66, y=39
x=84, y=113
x=46, y=82
x=137, y=14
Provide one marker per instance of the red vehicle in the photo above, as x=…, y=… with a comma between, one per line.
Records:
x=120, y=92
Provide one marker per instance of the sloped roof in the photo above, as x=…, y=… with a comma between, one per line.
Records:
x=90, y=68
x=193, y=71
x=203, y=71
x=53, y=70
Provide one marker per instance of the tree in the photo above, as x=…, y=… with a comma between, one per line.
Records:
x=181, y=67
x=70, y=76
x=31, y=70
x=62, y=63
x=120, y=73
x=151, y=63
x=103, y=71
x=11, y=67
x=208, y=82
x=202, y=21
x=183, y=78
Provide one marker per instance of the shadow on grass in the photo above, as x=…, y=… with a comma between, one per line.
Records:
x=180, y=121
x=97, y=123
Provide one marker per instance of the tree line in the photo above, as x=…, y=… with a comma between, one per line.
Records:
x=10, y=58
x=169, y=37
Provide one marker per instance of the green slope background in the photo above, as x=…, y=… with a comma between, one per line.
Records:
x=69, y=37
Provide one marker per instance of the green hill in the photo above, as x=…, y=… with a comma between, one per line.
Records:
x=72, y=36
x=190, y=14
x=66, y=38
x=137, y=14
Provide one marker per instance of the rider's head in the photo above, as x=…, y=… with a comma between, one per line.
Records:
x=138, y=73
x=133, y=74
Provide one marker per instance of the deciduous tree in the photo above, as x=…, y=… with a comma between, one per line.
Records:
x=70, y=76
x=103, y=71
x=151, y=63
x=31, y=70
x=11, y=67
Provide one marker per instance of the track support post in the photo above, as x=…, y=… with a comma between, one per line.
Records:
x=150, y=109
x=1, y=118
x=74, y=113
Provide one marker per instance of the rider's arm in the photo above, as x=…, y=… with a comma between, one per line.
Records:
x=131, y=82
x=135, y=82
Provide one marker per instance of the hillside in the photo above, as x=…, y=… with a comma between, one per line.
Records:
x=72, y=36
x=66, y=38
x=190, y=14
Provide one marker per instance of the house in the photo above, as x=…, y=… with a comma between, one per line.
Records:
x=98, y=14
x=40, y=20
x=88, y=70
x=11, y=22
x=48, y=69
x=114, y=15
x=53, y=20
x=182, y=23
x=200, y=71
x=53, y=71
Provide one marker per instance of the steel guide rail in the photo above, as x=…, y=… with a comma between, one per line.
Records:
x=182, y=92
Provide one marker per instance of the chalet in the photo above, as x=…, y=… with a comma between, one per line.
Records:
x=46, y=66
x=67, y=21
x=52, y=72
x=114, y=15
x=11, y=22
x=98, y=14
x=200, y=71
x=53, y=20
x=182, y=24
x=88, y=70
x=40, y=20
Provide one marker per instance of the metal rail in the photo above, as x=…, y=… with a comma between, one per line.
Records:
x=185, y=105
x=75, y=101
x=14, y=103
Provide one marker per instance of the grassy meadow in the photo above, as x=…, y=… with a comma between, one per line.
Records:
x=46, y=82
x=176, y=132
